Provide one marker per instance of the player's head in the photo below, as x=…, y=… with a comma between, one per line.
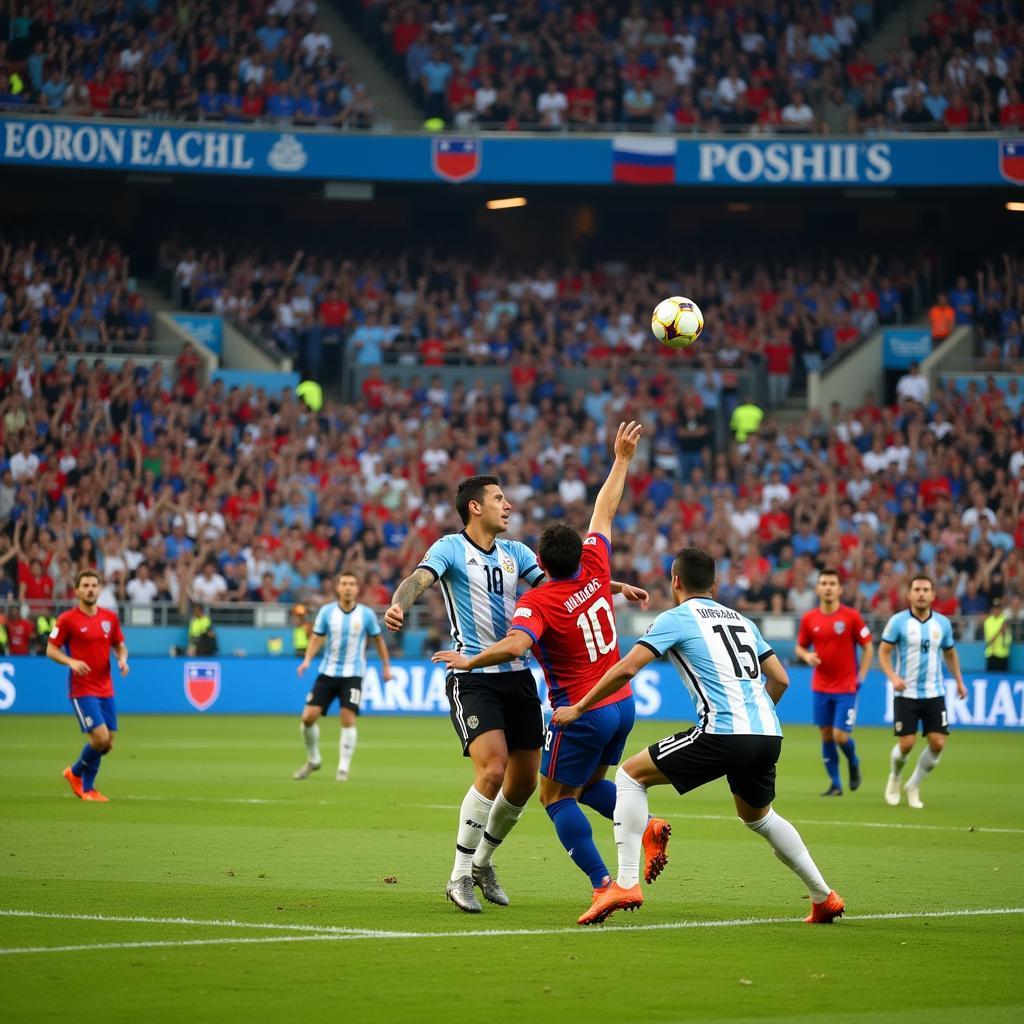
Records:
x=346, y=586
x=87, y=587
x=828, y=586
x=693, y=572
x=922, y=593
x=559, y=551
x=479, y=499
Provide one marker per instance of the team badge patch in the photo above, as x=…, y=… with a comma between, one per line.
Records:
x=1011, y=161
x=202, y=683
x=106, y=627
x=839, y=627
x=472, y=721
x=456, y=159
x=507, y=564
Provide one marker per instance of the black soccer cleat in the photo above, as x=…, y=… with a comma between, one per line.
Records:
x=833, y=791
x=854, y=777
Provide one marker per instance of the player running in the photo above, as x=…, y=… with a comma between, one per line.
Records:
x=835, y=631
x=570, y=624
x=89, y=633
x=496, y=711
x=344, y=626
x=720, y=657
x=918, y=634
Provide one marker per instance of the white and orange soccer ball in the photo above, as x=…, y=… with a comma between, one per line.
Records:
x=677, y=321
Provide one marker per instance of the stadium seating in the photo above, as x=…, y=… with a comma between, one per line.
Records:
x=210, y=61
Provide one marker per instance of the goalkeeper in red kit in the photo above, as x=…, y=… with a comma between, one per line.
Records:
x=82, y=640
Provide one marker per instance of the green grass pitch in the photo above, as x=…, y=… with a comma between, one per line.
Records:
x=219, y=889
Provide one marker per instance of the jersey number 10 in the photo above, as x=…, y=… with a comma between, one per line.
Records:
x=593, y=630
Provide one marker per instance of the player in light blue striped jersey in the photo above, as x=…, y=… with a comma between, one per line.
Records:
x=496, y=711
x=342, y=628
x=720, y=657
x=922, y=639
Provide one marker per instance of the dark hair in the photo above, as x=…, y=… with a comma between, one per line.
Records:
x=560, y=550
x=348, y=572
x=471, y=489
x=828, y=572
x=695, y=568
x=921, y=576
x=86, y=572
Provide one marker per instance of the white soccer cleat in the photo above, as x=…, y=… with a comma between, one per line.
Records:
x=341, y=776
x=307, y=769
x=892, y=790
x=914, y=797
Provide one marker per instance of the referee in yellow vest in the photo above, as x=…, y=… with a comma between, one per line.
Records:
x=998, y=638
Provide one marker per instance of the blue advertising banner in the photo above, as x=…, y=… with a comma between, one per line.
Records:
x=506, y=158
x=243, y=686
x=207, y=328
x=902, y=346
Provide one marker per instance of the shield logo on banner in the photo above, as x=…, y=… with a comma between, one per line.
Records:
x=456, y=159
x=839, y=627
x=202, y=683
x=1011, y=161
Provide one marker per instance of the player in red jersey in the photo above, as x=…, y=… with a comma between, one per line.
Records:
x=89, y=634
x=835, y=631
x=569, y=622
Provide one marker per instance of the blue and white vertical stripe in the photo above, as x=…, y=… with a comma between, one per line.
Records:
x=919, y=646
x=346, y=635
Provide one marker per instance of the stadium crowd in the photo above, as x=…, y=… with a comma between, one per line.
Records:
x=208, y=61
x=763, y=66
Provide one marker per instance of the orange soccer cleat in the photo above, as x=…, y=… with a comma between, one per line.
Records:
x=825, y=912
x=609, y=899
x=74, y=781
x=655, y=843
x=95, y=796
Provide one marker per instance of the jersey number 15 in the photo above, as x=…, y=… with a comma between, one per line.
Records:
x=737, y=647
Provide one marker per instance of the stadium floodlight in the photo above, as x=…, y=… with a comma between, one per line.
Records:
x=1015, y=207
x=506, y=204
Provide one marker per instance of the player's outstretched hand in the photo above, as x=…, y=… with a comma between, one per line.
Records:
x=452, y=659
x=300, y=669
x=394, y=617
x=813, y=659
x=627, y=437
x=123, y=666
x=636, y=594
x=80, y=668
x=565, y=716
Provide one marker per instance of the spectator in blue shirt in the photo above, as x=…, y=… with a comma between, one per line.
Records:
x=964, y=301
x=283, y=103
x=53, y=90
x=436, y=73
x=368, y=341
x=270, y=35
x=211, y=100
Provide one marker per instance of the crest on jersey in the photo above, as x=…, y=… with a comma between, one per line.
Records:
x=202, y=683
x=839, y=627
x=507, y=564
x=106, y=627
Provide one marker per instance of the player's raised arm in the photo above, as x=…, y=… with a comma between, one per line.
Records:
x=627, y=437
x=406, y=595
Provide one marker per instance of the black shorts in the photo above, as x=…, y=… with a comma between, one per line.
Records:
x=482, y=701
x=348, y=691
x=690, y=759
x=929, y=711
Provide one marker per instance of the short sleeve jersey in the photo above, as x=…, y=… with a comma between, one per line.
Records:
x=346, y=635
x=88, y=638
x=718, y=654
x=479, y=589
x=835, y=639
x=918, y=650
x=572, y=625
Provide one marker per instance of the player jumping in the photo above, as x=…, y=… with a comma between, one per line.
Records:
x=570, y=624
x=835, y=631
x=496, y=712
x=720, y=656
x=89, y=633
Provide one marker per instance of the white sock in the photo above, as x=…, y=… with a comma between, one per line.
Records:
x=473, y=818
x=925, y=763
x=311, y=737
x=500, y=822
x=630, y=821
x=346, y=747
x=897, y=759
x=790, y=849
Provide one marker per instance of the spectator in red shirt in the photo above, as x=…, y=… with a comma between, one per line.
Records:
x=958, y=113
x=1011, y=113
x=37, y=587
x=778, y=354
x=19, y=631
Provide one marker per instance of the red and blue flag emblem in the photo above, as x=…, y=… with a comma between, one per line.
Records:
x=202, y=683
x=1011, y=161
x=456, y=159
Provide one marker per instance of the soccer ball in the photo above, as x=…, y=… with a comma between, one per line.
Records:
x=677, y=322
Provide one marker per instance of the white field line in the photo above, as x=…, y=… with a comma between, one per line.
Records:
x=913, y=826
x=330, y=933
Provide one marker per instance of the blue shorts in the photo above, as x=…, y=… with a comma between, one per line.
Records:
x=572, y=755
x=835, y=710
x=95, y=711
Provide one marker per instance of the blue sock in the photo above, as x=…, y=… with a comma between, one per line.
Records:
x=849, y=748
x=87, y=765
x=600, y=796
x=830, y=755
x=576, y=836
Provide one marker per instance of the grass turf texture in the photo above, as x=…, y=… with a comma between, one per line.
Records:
x=206, y=824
